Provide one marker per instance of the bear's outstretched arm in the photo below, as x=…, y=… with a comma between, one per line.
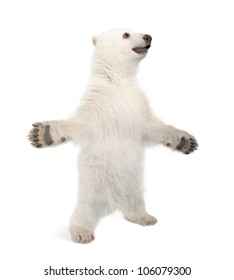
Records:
x=51, y=133
x=155, y=132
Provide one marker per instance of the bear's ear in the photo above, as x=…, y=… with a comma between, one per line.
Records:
x=94, y=39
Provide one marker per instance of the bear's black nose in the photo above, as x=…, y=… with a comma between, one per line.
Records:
x=147, y=38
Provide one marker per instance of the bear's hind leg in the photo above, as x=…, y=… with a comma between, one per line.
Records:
x=134, y=211
x=86, y=217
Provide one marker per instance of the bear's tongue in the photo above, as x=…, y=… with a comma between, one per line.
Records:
x=141, y=50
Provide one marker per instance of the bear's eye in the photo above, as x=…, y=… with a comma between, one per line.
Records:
x=126, y=35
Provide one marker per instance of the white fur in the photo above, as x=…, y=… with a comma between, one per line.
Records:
x=112, y=126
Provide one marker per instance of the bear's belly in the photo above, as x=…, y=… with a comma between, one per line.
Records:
x=116, y=167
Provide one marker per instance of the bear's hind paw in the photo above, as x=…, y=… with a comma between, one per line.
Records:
x=80, y=235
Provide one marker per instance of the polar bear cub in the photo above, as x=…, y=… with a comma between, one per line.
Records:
x=112, y=125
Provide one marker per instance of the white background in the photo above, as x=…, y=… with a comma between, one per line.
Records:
x=45, y=54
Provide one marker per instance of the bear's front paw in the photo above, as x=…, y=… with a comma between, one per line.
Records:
x=187, y=145
x=40, y=136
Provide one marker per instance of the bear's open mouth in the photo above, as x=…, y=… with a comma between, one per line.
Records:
x=141, y=50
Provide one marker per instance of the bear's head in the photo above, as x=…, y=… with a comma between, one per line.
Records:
x=121, y=48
